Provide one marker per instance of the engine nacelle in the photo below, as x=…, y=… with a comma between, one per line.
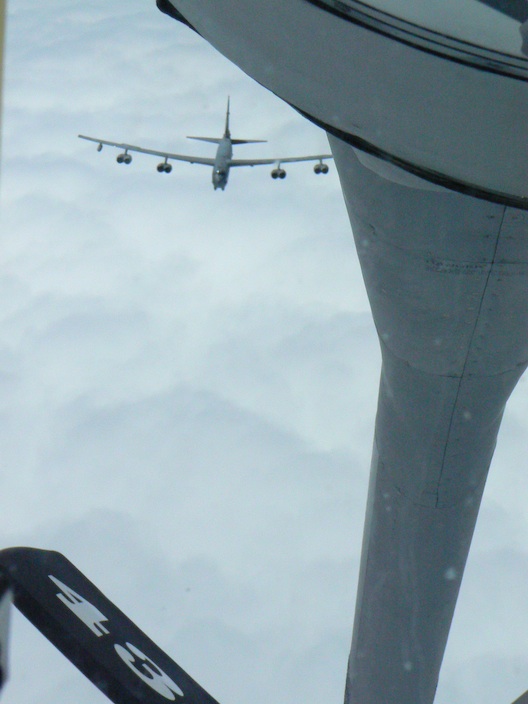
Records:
x=278, y=173
x=164, y=168
x=321, y=168
x=124, y=158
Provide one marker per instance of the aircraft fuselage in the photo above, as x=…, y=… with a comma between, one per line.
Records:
x=223, y=157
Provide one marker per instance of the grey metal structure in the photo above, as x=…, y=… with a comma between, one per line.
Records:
x=6, y=598
x=447, y=281
x=427, y=114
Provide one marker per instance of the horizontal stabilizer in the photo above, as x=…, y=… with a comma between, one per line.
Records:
x=213, y=140
x=93, y=633
x=217, y=140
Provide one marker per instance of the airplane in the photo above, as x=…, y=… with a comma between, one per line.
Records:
x=223, y=160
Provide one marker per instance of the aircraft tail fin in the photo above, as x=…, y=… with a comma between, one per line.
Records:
x=227, y=133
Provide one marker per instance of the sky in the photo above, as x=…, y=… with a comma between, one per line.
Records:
x=189, y=378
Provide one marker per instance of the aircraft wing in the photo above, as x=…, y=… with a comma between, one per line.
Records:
x=284, y=160
x=164, y=155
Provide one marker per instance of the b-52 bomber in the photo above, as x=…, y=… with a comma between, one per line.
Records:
x=222, y=161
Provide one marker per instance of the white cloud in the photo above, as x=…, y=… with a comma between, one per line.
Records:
x=189, y=378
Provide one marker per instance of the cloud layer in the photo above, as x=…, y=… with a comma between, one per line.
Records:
x=189, y=378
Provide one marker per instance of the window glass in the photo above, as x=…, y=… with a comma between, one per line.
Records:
x=497, y=25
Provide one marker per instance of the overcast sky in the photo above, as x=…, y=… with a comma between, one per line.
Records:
x=189, y=378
